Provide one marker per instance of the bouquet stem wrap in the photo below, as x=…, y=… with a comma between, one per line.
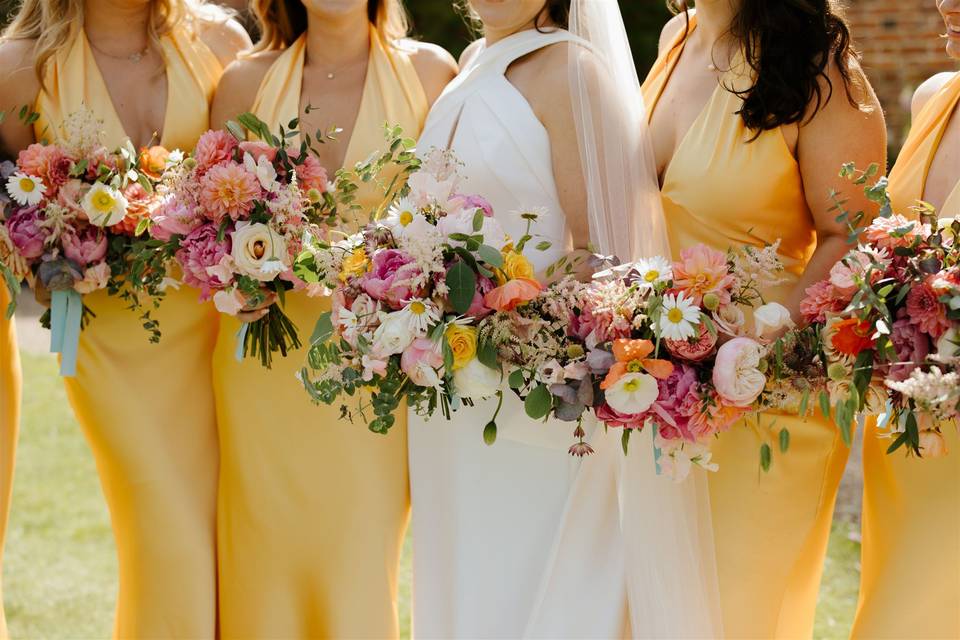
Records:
x=66, y=312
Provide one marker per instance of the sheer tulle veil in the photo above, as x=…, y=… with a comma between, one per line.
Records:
x=666, y=529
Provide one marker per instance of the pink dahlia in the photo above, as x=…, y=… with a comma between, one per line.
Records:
x=702, y=270
x=926, y=311
x=213, y=148
x=883, y=232
x=228, y=190
x=820, y=299
x=47, y=162
x=312, y=175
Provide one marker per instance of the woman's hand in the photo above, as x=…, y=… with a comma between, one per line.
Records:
x=252, y=313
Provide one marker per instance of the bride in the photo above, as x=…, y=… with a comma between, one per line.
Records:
x=522, y=539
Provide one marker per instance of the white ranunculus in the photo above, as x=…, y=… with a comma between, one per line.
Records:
x=736, y=372
x=476, y=380
x=393, y=335
x=769, y=319
x=104, y=205
x=259, y=251
x=633, y=393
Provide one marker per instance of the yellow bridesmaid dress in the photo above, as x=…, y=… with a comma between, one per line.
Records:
x=312, y=509
x=10, y=384
x=771, y=529
x=146, y=409
x=910, y=580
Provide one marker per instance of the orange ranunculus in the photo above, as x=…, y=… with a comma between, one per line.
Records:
x=628, y=351
x=153, y=160
x=851, y=336
x=511, y=294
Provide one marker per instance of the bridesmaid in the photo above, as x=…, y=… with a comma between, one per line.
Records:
x=147, y=69
x=10, y=384
x=910, y=582
x=754, y=107
x=312, y=509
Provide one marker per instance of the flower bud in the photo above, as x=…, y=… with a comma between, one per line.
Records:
x=314, y=196
x=190, y=164
x=711, y=301
x=836, y=372
x=490, y=433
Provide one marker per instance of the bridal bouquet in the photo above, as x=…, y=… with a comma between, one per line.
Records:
x=410, y=292
x=889, y=316
x=69, y=221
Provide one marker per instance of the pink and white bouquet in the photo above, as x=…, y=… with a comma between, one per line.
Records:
x=410, y=293
x=69, y=220
x=889, y=317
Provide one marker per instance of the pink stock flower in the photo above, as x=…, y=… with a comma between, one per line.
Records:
x=84, y=247
x=702, y=270
x=26, y=233
x=228, y=190
x=694, y=350
x=199, y=251
x=390, y=277
x=213, y=148
x=47, y=162
x=820, y=299
x=258, y=149
x=173, y=218
x=881, y=232
x=911, y=344
x=612, y=418
x=312, y=175
x=926, y=311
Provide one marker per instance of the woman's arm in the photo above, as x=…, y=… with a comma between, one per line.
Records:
x=238, y=87
x=435, y=67
x=19, y=87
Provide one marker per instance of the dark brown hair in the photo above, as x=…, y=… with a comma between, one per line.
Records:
x=554, y=12
x=789, y=44
x=282, y=21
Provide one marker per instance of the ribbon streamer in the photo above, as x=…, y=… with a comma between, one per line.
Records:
x=241, y=338
x=656, y=450
x=66, y=312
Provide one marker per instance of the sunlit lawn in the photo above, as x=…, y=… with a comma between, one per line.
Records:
x=59, y=573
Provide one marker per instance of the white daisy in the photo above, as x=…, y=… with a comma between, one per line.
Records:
x=419, y=315
x=401, y=215
x=25, y=189
x=104, y=205
x=679, y=318
x=653, y=271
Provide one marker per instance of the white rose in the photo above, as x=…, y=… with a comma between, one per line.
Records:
x=393, y=335
x=259, y=251
x=229, y=302
x=769, y=319
x=736, y=372
x=104, y=205
x=476, y=380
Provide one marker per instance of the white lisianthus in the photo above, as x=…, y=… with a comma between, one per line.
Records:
x=259, y=251
x=476, y=380
x=230, y=302
x=736, y=372
x=677, y=457
x=393, y=335
x=653, y=271
x=633, y=393
x=104, y=205
x=769, y=319
x=25, y=189
x=679, y=318
x=263, y=169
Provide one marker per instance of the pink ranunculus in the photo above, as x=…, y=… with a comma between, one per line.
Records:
x=47, y=162
x=612, y=418
x=390, y=276
x=228, y=190
x=881, y=230
x=26, y=233
x=472, y=203
x=702, y=270
x=736, y=372
x=911, y=344
x=258, y=149
x=421, y=360
x=200, y=250
x=926, y=311
x=312, y=175
x=84, y=247
x=819, y=300
x=213, y=148
x=171, y=218
x=695, y=350
x=672, y=408
x=478, y=309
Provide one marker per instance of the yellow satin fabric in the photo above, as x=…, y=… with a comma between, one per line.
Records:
x=147, y=409
x=910, y=580
x=10, y=385
x=312, y=509
x=771, y=529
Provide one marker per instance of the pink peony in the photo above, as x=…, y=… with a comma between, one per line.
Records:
x=702, y=270
x=26, y=233
x=612, y=418
x=390, y=278
x=911, y=344
x=881, y=232
x=693, y=350
x=926, y=311
x=671, y=411
x=312, y=175
x=47, y=162
x=213, y=148
x=228, y=190
x=84, y=247
x=820, y=299
x=258, y=149
x=173, y=218
x=199, y=251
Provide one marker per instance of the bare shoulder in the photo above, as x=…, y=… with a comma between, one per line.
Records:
x=671, y=29
x=927, y=89
x=467, y=55
x=434, y=65
x=224, y=35
x=239, y=84
x=19, y=87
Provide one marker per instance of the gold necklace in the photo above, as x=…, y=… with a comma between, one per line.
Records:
x=133, y=57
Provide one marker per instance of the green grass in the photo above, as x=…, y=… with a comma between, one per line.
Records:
x=60, y=567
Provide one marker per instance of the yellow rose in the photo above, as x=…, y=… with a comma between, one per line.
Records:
x=354, y=264
x=463, y=344
x=515, y=266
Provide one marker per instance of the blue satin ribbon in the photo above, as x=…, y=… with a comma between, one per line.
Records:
x=241, y=338
x=66, y=312
x=656, y=450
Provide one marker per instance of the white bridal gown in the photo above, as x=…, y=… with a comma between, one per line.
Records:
x=505, y=546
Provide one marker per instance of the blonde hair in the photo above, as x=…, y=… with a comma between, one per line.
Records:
x=281, y=22
x=51, y=23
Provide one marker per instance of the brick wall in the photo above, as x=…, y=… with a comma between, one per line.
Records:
x=901, y=46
